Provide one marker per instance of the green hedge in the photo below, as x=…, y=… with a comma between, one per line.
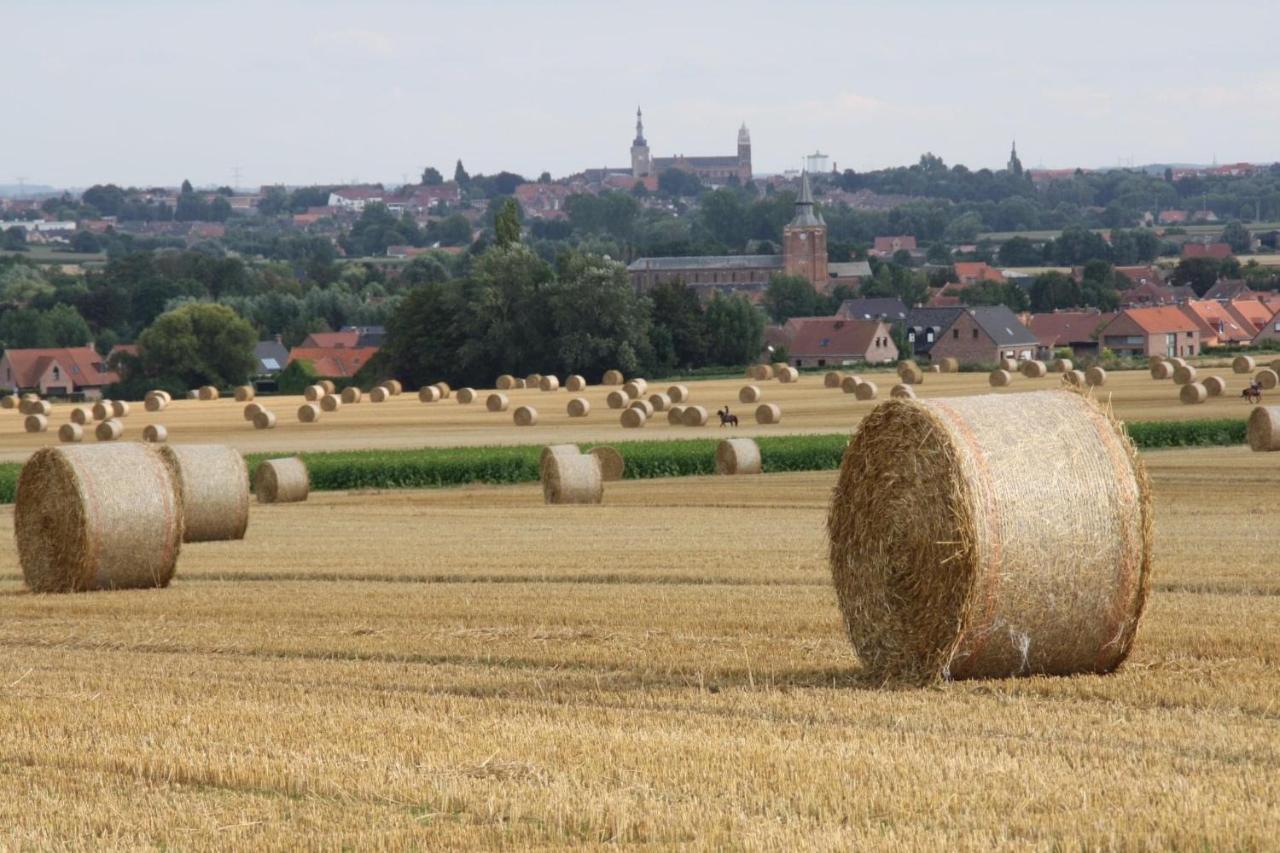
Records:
x=1222, y=432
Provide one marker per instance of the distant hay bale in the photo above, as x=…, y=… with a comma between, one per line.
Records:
x=244, y=393
x=29, y=397
x=633, y=418
x=153, y=433
x=525, y=416
x=393, y=386
x=660, y=402
x=1074, y=378
x=552, y=450
x=1152, y=361
x=738, y=456
x=330, y=403
x=1267, y=378
x=429, y=394
x=379, y=395
x=949, y=364
x=1009, y=365
x=1184, y=374
x=694, y=416
x=902, y=391
x=446, y=391
x=109, y=430
x=214, y=484
x=97, y=518
x=8, y=401
x=497, y=402
x=1193, y=393
x=644, y=406
x=313, y=393
x=906, y=366
x=36, y=423
x=635, y=388
x=549, y=383
x=1000, y=378
x=309, y=413
x=1095, y=376
x=749, y=394
x=210, y=392
x=911, y=374
x=612, y=377
x=1162, y=370
x=352, y=395
x=678, y=393
x=575, y=383
x=119, y=409
x=788, y=375
x=759, y=372
x=40, y=407
x=465, y=396
x=849, y=384
x=328, y=386
x=193, y=394
x=768, y=413
x=533, y=380
x=617, y=399
x=71, y=433
x=777, y=367
x=934, y=368
x=1177, y=362
x=1264, y=429
x=264, y=420
x=832, y=379
x=520, y=383
x=573, y=480
x=866, y=390
x=155, y=403
x=101, y=410
x=279, y=481
x=1243, y=364
x=81, y=415
x=612, y=465
x=1062, y=365
x=1215, y=385
x=675, y=415
x=579, y=407
x=949, y=562
x=250, y=410
x=505, y=382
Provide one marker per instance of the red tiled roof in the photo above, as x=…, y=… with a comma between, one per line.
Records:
x=80, y=364
x=331, y=340
x=886, y=245
x=1063, y=328
x=1254, y=312
x=831, y=336
x=1141, y=275
x=1160, y=320
x=977, y=271
x=334, y=361
x=1206, y=250
x=1216, y=322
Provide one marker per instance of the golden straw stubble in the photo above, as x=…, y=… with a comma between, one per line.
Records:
x=214, y=483
x=97, y=517
x=282, y=481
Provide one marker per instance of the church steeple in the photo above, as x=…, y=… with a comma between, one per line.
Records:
x=805, y=215
x=639, y=129
x=1015, y=165
x=641, y=165
x=804, y=241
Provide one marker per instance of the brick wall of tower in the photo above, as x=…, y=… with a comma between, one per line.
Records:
x=744, y=163
x=804, y=253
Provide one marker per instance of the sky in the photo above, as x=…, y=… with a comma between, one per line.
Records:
x=145, y=92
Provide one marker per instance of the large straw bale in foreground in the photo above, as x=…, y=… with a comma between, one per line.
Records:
x=497, y=402
x=579, y=407
x=552, y=450
x=738, y=456
x=950, y=562
x=1162, y=370
x=97, y=517
x=612, y=377
x=214, y=484
x=1267, y=378
x=573, y=479
x=612, y=465
x=768, y=413
x=1034, y=369
x=281, y=481
x=694, y=416
x=351, y=395
x=1243, y=364
x=1264, y=428
x=153, y=433
x=525, y=416
x=749, y=394
x=1193, y=393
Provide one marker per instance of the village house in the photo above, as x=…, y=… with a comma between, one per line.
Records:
x=56, y=372
x=1144, y=332
x=1270, y=330
x=889, y=308
x=975, y=335
x=1217, y=251
x=1154, y=293
x=972, y=272
x=348, y=337
x=1218, y=326
x=835, y=342
x=356, y=198
x=886, y=247
x=333, y=362
x=1076, y=330
x=1231, y=288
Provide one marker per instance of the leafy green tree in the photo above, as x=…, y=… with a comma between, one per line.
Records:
x=938, y=253
x=85, y=242
x=1053, y=290
x=598, y=321
x=59, y=326
x=22, y=284
x=297, y=376
x=460, y=176
x=1198, y=273
x=678, y=318
x=1019, y=252
x=788, y=296
x=14, y=239
x=431, y=177
x=453, y=230
x=735, y=329
x=106, y=199
x=1075, y=246
x=722, y=215
x=506, y=224
x=1237, y=237
x=200, y=344
x=186, y=187
x=996, y=293
x=678, y=183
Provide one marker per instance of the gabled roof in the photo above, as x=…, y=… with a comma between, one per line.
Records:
x=885, y=245
x=347, y=338
x=271, y=355
x=1158, y=320
x=334, y=361
x=1063, y=328
x=1215, y=321
x=849, y=269
x=1206, y=250
x=1230, y=288
x=932, y=318
x=82, y=365
x=1255, y=312
x=816, y=336
x=979, y=270
x=1002, y=325
x=890, y=308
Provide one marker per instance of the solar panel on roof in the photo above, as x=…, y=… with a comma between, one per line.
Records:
x=271, y=364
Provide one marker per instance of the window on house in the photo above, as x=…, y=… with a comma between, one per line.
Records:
x=824, y=342
x=975, y=334
x=57, y=374
x=955, y=333
x=911, y=336
x=928, y=336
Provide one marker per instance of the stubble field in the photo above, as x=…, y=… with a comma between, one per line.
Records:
x=471, y=668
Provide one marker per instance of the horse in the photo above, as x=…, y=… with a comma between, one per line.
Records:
x=1252, y=394
x=727, y=419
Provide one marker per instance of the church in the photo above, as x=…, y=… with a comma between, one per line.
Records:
x=713, y=170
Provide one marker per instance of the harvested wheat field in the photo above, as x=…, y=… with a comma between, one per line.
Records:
x=669, y=668
x=404, y=421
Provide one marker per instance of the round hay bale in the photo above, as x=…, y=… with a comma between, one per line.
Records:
x=549, y=383
x=644, y=406
x=1162, y=370
x=660, y=402
x=1267, y=378
x=71, y=433
x=738, y=456
x=552, y=450
x=832, y=379
x=465, y=396
x=694, y=416
x=379, y=394
x=193, y=394
x=279, y=481
x=1177, y=362
x=1009, y=365
x=525, y=416
x=1184, y=375
x=633, y=418
x=902, y=391
x=1275, y=365
x=29, y=396
x=328, y=386
x=309, y=413
x=533, y=380
x=866, y=390
x=1074, y=378
x=101, y=410
x=675, y=415
x=119, y=409
x=1152, y=361
x=617, y=399
x=1215, y=385
x=911, y=375
x=573, y=480
x=749, y=394
x=950, y=562
x=907, y=366
x=849, y=384
x=109, y=430
x=251, y=410
x=1095, y=376
x=8, y=401
x=612, y=465
x=1193, y=393
x=579, y=407
x=351, y=395
x=1061, y=365
x=635, y=388
x=1000, y=378
x=428, y=394
x=575, y=383
x=214, y=484
x=768, y=413
x=40, y=407
x=612, y=377
x=393, y=386
x=788, y=375
x=36, y=423
x=155, y=403
x=1243, y=364
x=330, y=403
x=207, y=392
x=313, y=393
x=264, y=420
x=520, y=383
x=759, y=372
x=1034, y=369
x=97, y=518
x=497, y=402
x=81, y=415
x=1264, y=429
x=949, y=364
x=776, y=367
x=678, y=393
x=245, y=393
x=154, y=434
x=505, y=382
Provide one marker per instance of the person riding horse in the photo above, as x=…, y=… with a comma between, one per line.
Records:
x=727, y=419
x=1253, y=393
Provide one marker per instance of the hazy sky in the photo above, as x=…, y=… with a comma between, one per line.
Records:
x=301, y=92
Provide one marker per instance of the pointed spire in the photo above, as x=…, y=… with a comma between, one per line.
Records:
x=805, y=215
x=639, y=140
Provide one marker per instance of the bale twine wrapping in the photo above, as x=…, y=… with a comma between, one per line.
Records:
x=379, y=395
x=264, y=420
x=759, y=372
x=1095, y=376
x=1264, y=429
x=497, y=402
x=278, y=481
x=612, y=465
x=573, y=480
x=465, y=396
x=635, y=388
x=1184, y=375
x=533, y=380
x=902, y=391
x=36, y=423
x=109, y=430
x=308, y=413
x=738, y=456
x=633, y=418
x=850, y=384
x=1034, y=369
x=1243, y=364
x=1009, y=364
x=612, y=377
x=866, y=390
x=1162, y=370
x=1267, y=378
x=71, y=433
x=119, y=409
x=351, y=395
x=244, y=393
x=617, y=399
x=525, y=416
x=330, y=403
x=313, y=393
x=678, y=393
x=1074, y=378
x=328, y=386
x=749, y=394
x=505, y=382
x=575, y=383
x=214, y=484
x=81, y=415
x=155, y=434
x=1193, y=393
x=788, y=375
x=1000, y=378
x=675, y=415
x=950, y=562
x=552, y=450
x=950, y=364
x=660, y=402
x=97, y=518
x=155, y=403
x=768, y=413
x=549, y=383
x=694, y=416
x=8, y=401
x=579, y=407
x=251, y=410
x=1062, y=365
x=101, y=410
x=1215, y=385
x=644, y=406
x=429, y=394
x=832, y=379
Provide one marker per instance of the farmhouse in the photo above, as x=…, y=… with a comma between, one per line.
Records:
x=889, y=308
x=975, y=335
x=333, y=362
x=833, y=341
x=1165, y=331
x=56, y=372
x=1218, y=325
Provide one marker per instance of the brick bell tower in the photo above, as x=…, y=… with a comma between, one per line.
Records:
x=804, y=241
